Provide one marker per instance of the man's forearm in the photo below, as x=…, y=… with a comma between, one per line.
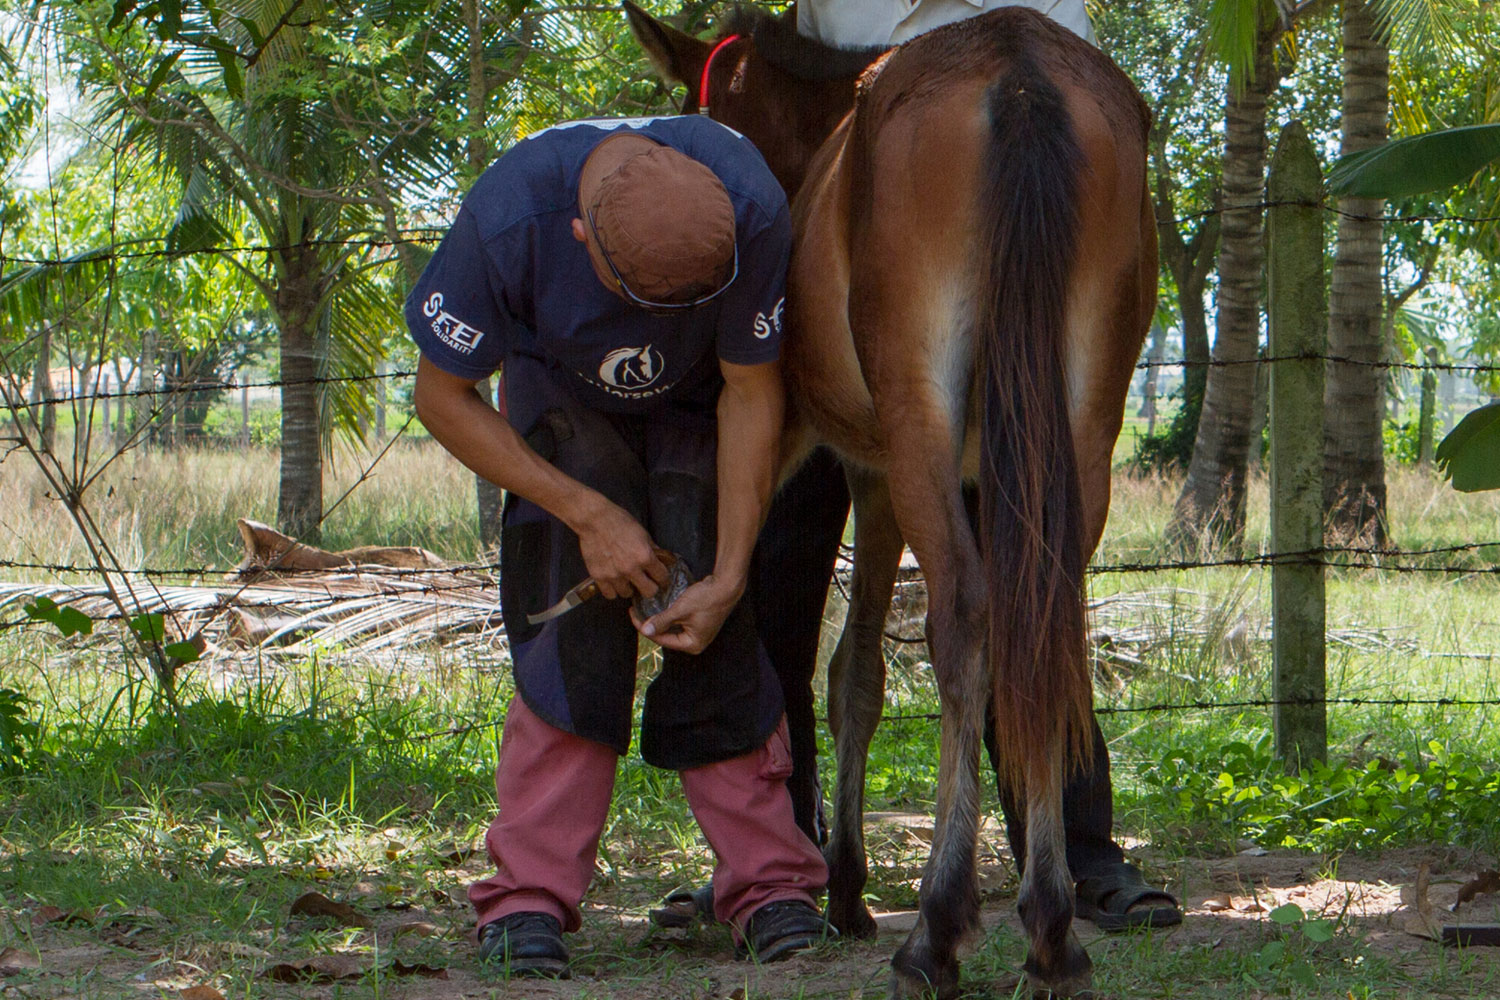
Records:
x=750, y=416
x=484, y=441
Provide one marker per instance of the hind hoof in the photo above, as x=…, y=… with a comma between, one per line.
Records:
x=915, y=980
x=1073, y=978
x=852, y=921
x=1078, y=991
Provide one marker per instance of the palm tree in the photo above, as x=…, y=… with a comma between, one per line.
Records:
x=1211, y=504
x=1354, y=460
x=1354, y=466
x=273, y=134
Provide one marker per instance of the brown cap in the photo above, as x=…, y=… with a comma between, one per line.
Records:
x=664, y=219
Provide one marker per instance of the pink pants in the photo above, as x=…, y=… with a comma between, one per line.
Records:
x=554, y=790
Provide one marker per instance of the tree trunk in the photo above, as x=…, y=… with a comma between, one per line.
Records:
x=1150, y=385
x=299, y=299
x=487, y=495
x=1354, y=460
x=1211, y=506
x=380, y=403
x=1260, y=415
x=1190, y=261
x=104, y=389
x=145, y=383
x=1428, y=410
x=41, y=387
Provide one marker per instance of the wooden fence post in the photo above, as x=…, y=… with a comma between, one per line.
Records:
x=1298, y=305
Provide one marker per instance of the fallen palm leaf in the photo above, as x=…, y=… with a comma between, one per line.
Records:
x=301, y=598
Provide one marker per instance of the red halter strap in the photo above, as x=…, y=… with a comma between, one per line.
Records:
x=708, y=64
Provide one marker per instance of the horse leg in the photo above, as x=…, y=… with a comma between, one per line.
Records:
x=856, y=694
x=1056, y=964
x=929, y=509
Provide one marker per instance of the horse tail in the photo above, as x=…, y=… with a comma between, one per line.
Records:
x=1031, y=513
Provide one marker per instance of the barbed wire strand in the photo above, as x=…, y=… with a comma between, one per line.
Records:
x=431, y=235
x=1304, y=557
x=17, y=406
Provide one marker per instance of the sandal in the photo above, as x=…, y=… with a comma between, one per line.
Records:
x=1107, y=898
x=680, y=909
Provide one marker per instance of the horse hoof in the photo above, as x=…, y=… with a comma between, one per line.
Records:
x=1071, y=978
x=913, y=978
x=1082, y=990
x=852, y=921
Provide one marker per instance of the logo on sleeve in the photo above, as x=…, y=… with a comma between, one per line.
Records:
x=449, y=328
x=764, y=327
x=631, y=368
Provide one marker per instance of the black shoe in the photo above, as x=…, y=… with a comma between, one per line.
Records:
x=779, y=929
x=524, y=944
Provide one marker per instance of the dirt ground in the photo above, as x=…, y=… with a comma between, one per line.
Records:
x=423, y=952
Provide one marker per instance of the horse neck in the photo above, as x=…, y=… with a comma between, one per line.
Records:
x=790, y=129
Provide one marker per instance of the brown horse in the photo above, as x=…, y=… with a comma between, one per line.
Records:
x=973, y=274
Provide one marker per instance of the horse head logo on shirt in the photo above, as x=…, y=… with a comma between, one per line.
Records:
x=631, y=367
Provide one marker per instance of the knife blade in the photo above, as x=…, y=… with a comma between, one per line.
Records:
x=586, y=591
x=583, y=592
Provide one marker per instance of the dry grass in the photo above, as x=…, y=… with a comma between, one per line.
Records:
x=1425, y=512
x=178, y=508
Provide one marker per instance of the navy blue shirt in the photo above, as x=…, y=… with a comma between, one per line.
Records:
x=510, y=277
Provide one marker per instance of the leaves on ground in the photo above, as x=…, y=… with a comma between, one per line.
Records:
x=400, y=968
x=332, y=968
x=417, y=928
x=1485, y=881
x=318, y=969
x=1418, y=916
x=200, y=993
x=57, y=915
x=315, y=904
x=14, y=960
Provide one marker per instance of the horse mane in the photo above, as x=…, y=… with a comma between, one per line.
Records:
x=779, y=43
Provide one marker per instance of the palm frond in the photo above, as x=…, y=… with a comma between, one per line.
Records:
x=362, y=313
x=29, y=295
x=1234, y=28
x=1418, y=25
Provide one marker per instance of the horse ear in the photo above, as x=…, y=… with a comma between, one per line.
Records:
x=676, y=55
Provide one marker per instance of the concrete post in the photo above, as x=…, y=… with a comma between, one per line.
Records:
x=1298, y=302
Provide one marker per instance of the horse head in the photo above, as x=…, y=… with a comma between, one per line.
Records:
x=784, y=92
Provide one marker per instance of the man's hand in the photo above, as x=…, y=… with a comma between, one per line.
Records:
x=619, y=554
x=694, y=619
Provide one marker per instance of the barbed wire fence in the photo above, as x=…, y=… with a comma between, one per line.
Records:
x=1482, y=557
